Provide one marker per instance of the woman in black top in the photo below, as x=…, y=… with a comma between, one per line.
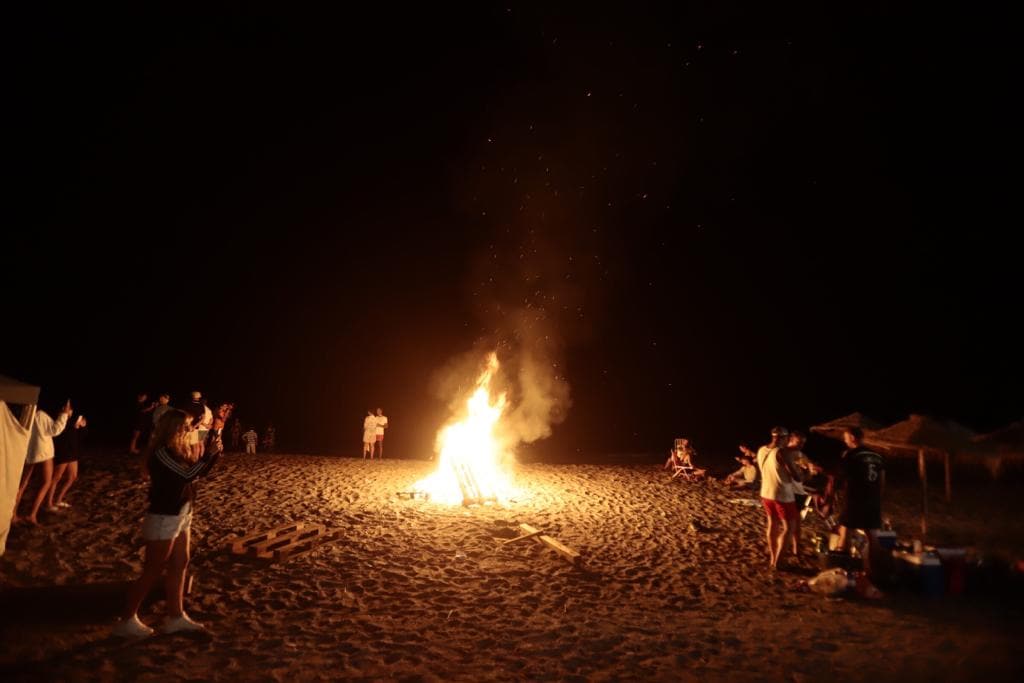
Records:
x=172, y=468
x=67, y=448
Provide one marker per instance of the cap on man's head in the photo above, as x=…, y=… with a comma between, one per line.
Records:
x=196, y=395
x=780, y=431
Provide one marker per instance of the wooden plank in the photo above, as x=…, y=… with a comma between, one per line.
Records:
x=563, y=550
x=553, y=543
x=300, y=548
x=239, y=545
x=521, y=538
x=266, y=549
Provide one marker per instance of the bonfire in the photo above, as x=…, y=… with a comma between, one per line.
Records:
x=471, y=463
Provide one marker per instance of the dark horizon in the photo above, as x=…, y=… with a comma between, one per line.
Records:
x=313, y=216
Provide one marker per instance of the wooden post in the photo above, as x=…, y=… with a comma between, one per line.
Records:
x=949, y=483
x=922, y=473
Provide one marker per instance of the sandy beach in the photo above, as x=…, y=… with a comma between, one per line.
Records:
x=673, y=585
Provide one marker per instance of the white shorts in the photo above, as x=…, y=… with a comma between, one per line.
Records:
x=167, y=527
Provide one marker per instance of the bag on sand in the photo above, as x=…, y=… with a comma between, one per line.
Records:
x=830, y=582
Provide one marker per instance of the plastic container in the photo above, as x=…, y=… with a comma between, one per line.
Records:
x=954, y=566
x=922, y=571
x=885, y=539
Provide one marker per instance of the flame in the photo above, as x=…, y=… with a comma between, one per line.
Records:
x=470, y=460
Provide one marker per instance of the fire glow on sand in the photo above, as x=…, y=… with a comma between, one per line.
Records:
x=471, y=458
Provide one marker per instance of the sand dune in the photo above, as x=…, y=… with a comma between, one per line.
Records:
x=409, y=590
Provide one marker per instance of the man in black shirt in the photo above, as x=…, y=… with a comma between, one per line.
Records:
x=862, y=476
x=143, y=423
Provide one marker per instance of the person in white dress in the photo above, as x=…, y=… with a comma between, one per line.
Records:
x=369, y=434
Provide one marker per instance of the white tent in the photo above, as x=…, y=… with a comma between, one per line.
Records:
x=13, y=445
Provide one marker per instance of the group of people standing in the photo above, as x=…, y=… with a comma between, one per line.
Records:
x=148, y=414
x=54, y=448
x=860, y=476
x=251, y=439
x=373, y=433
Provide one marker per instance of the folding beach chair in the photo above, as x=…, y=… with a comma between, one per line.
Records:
x=813, y=503
x=681, y=465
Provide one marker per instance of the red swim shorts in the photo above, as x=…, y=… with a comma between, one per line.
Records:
x=779, y=510
x=380, y=437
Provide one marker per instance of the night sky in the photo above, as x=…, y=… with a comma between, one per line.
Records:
x=706, y=221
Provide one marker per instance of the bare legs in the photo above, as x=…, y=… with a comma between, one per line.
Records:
x=57, y=489
x=44, y=491
x=177, y=567
x=795, y=534
x=776, y=534
x=157, y=554
x=171, y=555
x=26, y=475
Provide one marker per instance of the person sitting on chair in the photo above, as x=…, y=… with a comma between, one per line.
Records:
x=681, y=457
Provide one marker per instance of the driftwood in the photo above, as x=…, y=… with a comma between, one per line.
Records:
x=532, y=534
x=565, y=551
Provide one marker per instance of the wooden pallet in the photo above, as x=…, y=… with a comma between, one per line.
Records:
x=240, y=545
x=280, y=543
x=283, y=546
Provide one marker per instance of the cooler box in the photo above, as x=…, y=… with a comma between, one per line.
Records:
x=921, y=571
x=885, y=539
x=954, y=565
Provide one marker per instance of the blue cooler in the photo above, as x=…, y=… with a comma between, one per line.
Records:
x=922, y=571
x=885, y=539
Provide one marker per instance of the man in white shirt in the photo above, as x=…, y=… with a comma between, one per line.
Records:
x=382, y=424
x=776, y=493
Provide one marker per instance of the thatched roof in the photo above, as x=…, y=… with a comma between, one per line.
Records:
x=835, y=428
x=1006, y=443
x=922, y=432
x=1008, y=438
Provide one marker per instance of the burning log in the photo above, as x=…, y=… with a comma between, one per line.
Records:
x=471, y=493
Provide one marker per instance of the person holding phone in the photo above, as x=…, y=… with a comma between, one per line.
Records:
x=67, y=449
x=40, y=454
x=173, y=466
